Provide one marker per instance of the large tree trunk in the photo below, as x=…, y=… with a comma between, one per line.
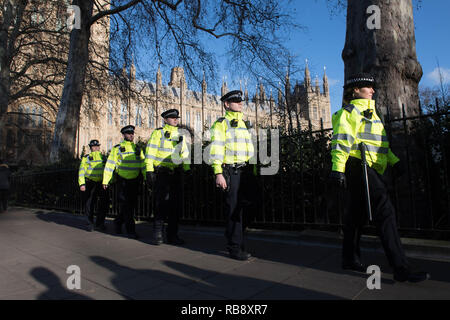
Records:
x=69, y=109
x=388, y=53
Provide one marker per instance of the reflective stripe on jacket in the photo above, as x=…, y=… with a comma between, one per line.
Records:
x=352, y=124
x=91, y=167
x=165, y=149
x=230, y=144
x=127, y=159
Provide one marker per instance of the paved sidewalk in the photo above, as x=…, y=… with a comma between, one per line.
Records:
x=38, y=246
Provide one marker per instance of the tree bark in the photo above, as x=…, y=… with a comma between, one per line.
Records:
x=69, y=109
x=388, y=53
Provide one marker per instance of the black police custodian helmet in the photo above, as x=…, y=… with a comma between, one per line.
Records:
x=94, y=143
x=171, y=113
x=127, y=129
x=360, y=80
x=232, y=96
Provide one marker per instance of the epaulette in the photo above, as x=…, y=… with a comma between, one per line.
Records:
x=159, y=128
x=117, y=145
x=348, y=107
x=220, y=119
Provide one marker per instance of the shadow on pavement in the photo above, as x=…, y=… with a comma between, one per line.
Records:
x=55, y=290
x=308, y=255
x=157, y=284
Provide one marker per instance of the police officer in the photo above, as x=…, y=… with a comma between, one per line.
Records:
x=5, y=175
x=231, y=149
x=127, y=160
x=355, y=123
x=90, y=175
x=166, y=159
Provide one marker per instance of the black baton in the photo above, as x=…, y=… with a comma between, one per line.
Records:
x=363, y=150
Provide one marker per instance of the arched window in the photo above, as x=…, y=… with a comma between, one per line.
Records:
x=138, y=122
x=110, y=113
x=198, y=122
x=188, y=118
x=151, y=117
x=34, y=118
x=123, y=114
x=40, y=119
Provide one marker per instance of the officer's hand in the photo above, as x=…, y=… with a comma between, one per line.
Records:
x=338, y=179
x=105, y=186
x=149, y=176
x=398, y=170
x=83, y=188
x=220, y=181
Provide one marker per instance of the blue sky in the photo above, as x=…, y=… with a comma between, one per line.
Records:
x=324, y=39
x=324, y=36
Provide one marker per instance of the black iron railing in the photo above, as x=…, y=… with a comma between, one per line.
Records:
x=298, y=196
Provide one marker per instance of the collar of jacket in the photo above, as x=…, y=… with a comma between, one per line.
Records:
x=171, y=129
x=93, y=153
x=363, y=104
x=125, y=142
x=230, y=115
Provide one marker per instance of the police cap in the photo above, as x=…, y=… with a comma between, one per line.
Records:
x=127, y=129
x=360, y=80
x=171, y=113
x=232, y=96
x=94, y=143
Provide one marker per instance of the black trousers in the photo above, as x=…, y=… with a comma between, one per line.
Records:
x=168, y=191
x=383, y=215
x=4, y=193
x=127, y=193
x=94, y=191
x=239, y=205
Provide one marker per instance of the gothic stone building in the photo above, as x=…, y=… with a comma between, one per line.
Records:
x=26, y=130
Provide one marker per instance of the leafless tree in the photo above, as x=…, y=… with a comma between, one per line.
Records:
x=175, y=27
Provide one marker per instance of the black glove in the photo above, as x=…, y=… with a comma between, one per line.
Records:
x=150, y=177
x=398, y=170
x=337, y=179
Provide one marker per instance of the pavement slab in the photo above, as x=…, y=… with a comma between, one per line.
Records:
x=38, y=246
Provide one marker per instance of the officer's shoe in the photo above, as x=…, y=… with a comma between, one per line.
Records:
x=157, y=239
x=90, y=227
x=354, y=266
x=133, y=235
x=239, y=255
x=403, y=274
x=176, y=241
x=100, y=228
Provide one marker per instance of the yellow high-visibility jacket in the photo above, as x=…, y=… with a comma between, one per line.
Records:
x=167, y=148
x=230, y=144
x=355, y=123
x=91, y=167
x=127, y=159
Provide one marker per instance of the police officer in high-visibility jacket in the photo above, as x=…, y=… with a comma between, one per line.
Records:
x=127, y=159
x=230, y=151
x=167, y=158
x=355, y=123
x=90, y=175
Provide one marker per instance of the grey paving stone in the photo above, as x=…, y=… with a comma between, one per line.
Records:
x=166, y=291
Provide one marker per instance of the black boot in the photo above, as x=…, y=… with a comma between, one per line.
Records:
x=157, y=233
x=354, y=266
x=405, y=274
x=238, y=254
x=175, y=241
